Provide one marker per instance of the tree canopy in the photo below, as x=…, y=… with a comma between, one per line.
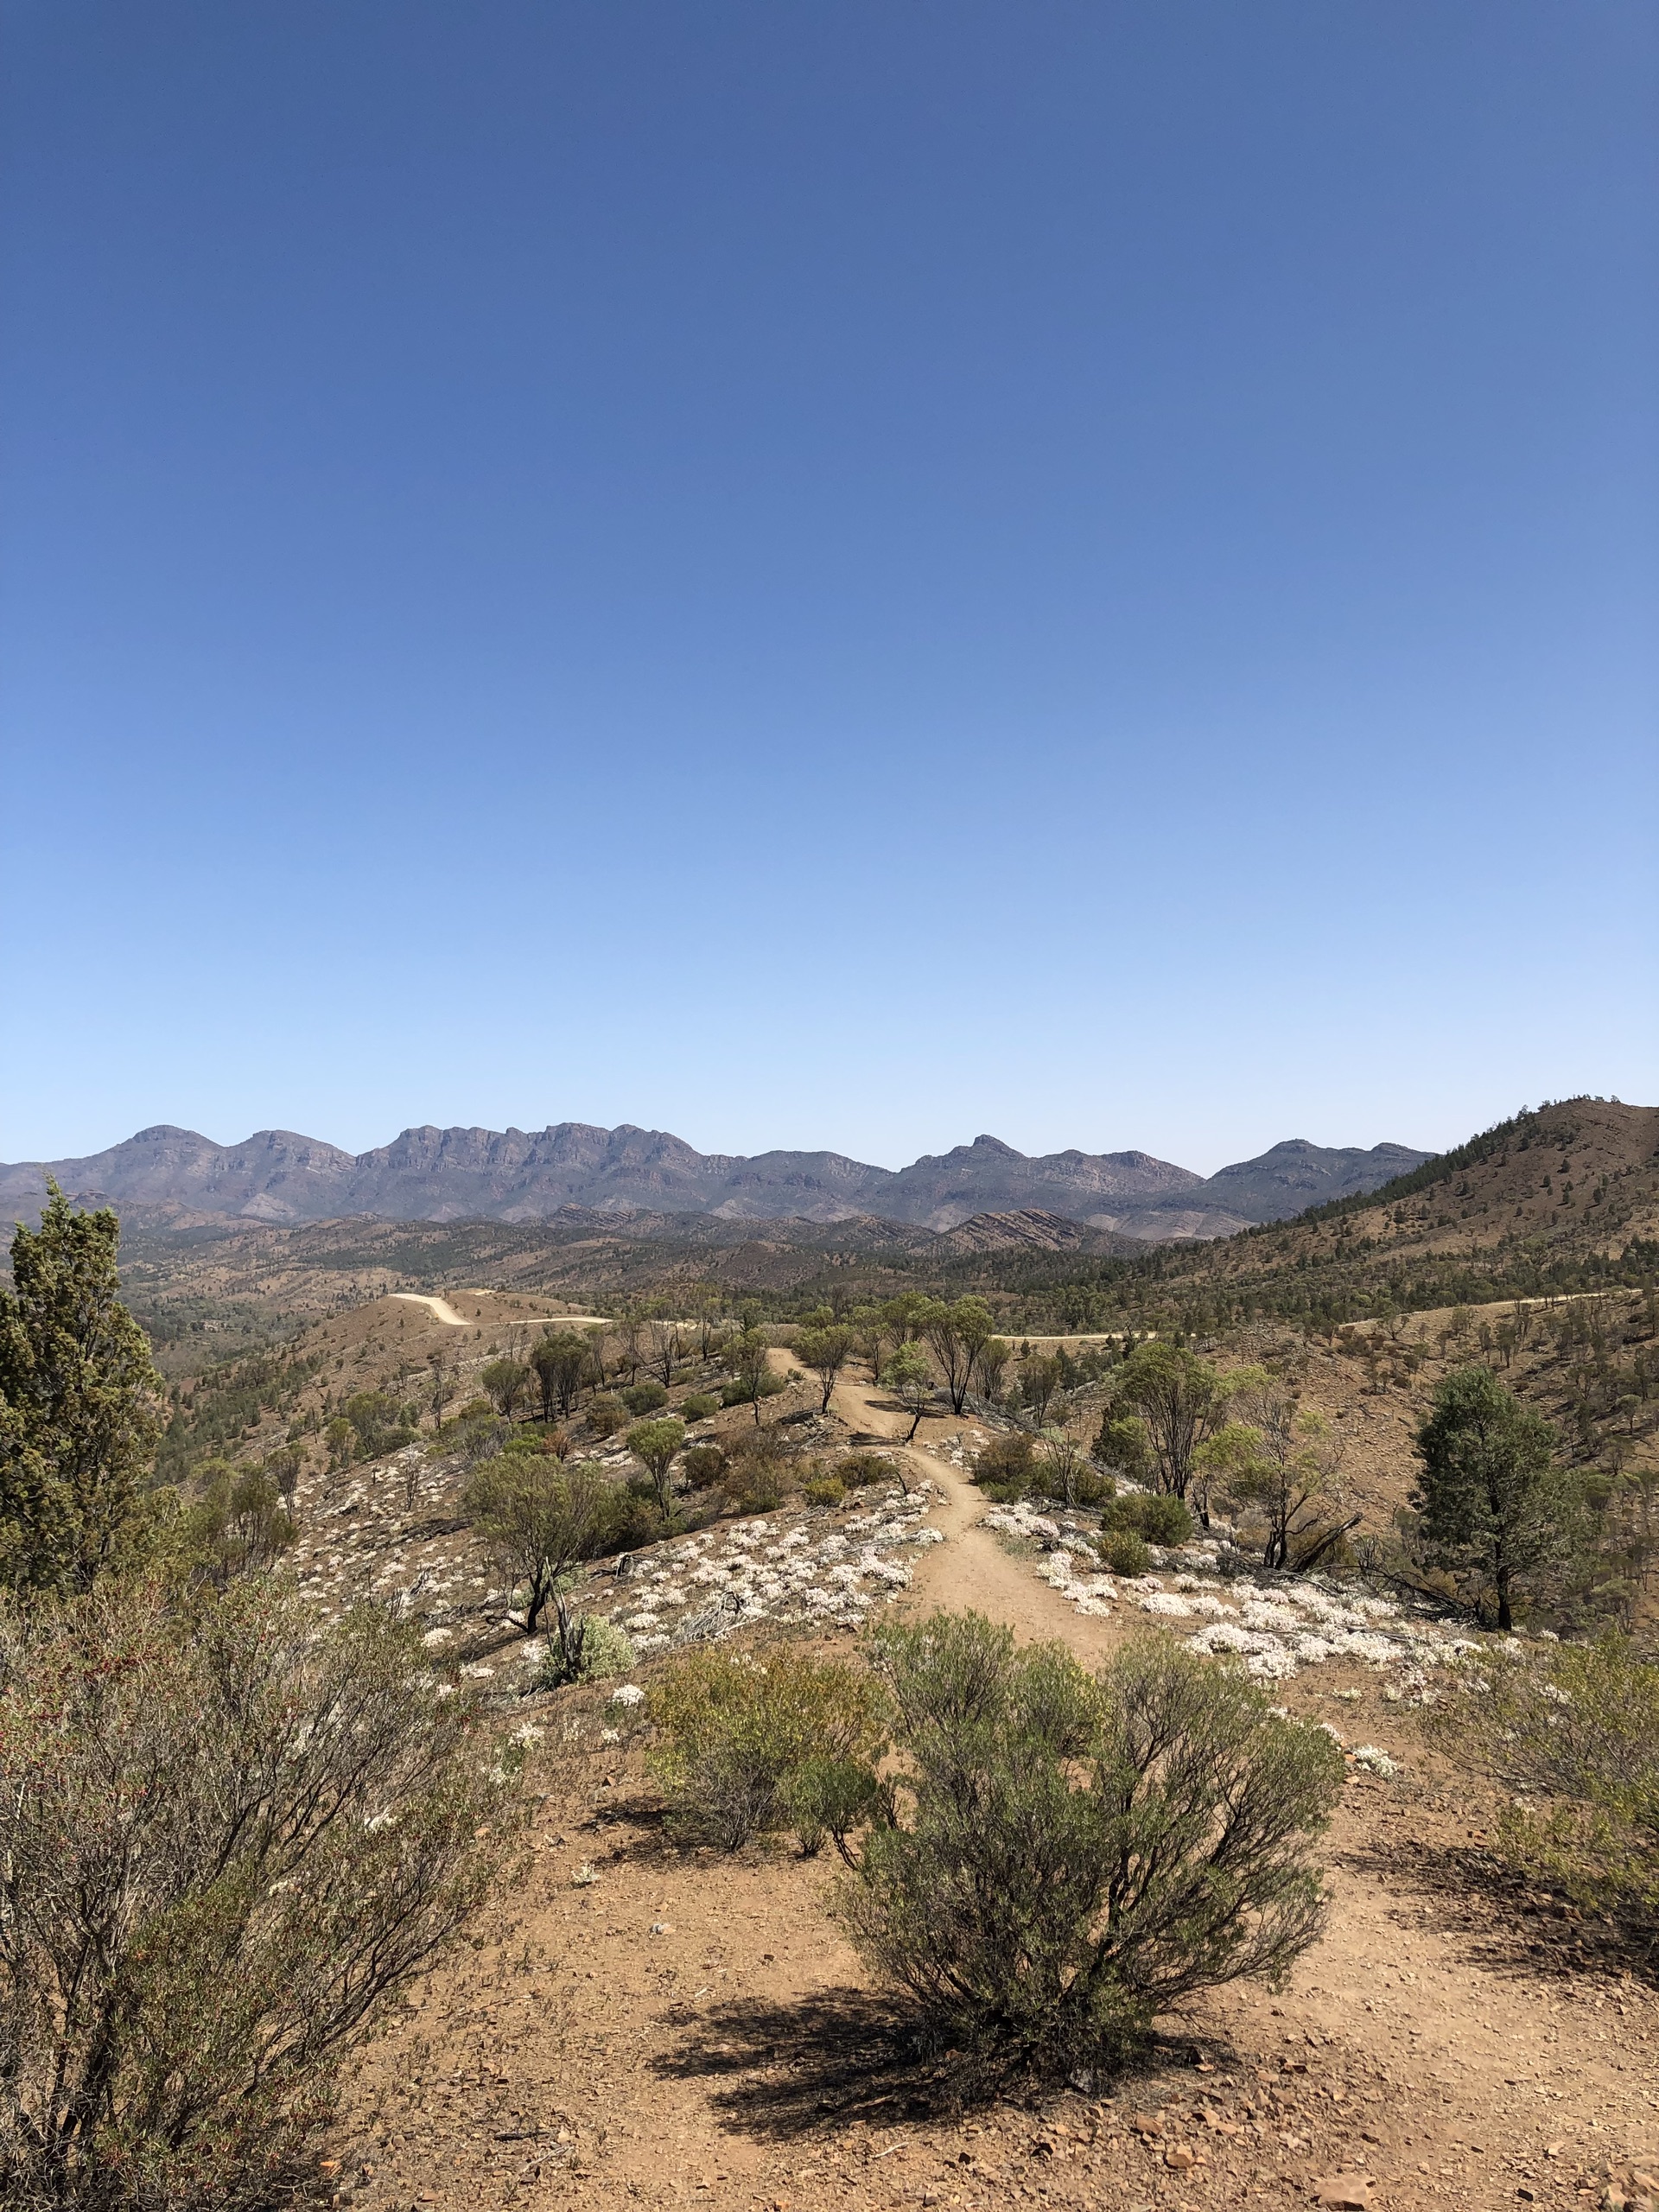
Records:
x=79, y=1407
x=1496, y=1510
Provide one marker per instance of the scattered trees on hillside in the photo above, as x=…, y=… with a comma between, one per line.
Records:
x=664, y=1346
x=1277, y=1459
x=559, y=1358
x=443, y=1384
x=751, y=1371
x=825, y=1348
x=654, y=1445
x=238, y=1523
x=508, y=1381
x=909, y=1376
x=994, y=1356
x=542, y=1518
x=1040, y=1376
x=955, y=1334
x=1176, y=1400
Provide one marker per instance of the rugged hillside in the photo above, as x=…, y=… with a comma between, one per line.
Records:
x=1563, y=1198
x=429, y=1174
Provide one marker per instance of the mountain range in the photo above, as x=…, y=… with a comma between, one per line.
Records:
x=514, y=1175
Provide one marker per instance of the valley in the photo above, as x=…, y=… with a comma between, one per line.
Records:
x=637, y=2018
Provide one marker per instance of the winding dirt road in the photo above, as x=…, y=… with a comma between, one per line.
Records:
x=442, y=1310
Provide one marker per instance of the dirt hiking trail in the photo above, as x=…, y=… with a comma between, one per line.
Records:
x=642, y=2023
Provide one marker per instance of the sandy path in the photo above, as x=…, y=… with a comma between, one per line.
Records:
x=442, y=1310
x=970, y=1571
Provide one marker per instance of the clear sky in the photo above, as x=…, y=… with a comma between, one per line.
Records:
x=847, y=573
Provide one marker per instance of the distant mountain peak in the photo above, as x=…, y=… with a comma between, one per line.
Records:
x=428, y=1173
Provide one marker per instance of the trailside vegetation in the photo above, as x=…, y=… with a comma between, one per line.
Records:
x=1068, y=1857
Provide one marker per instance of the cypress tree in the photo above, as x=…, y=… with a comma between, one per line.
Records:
x=1496, y=1510
x=79, y=1406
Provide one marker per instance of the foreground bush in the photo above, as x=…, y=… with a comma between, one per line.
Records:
x=1574, y=1730
x=229, y=1835
x=747, y=1747
x=1071, y=1857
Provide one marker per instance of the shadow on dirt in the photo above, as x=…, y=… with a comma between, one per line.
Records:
x=785, y=2068
x=781, y=2070
x=1513, y=1925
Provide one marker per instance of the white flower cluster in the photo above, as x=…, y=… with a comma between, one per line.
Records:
x=1276, y=1629
x=701, y=1587
x=1278, y=1632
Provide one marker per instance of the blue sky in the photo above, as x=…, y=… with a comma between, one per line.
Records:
x=839, y=574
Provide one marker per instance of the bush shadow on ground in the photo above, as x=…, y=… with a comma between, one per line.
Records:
x=782, y=2069
x=1512, y=1923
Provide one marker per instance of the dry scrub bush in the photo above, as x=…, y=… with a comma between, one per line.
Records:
x=1153, y=1516
x=1070, y=1856
x=1573, y=1729
x=748, y=1745
x=228, y=1833
x=860, y=1470
x=1006, y=1468
x=1124, y=1551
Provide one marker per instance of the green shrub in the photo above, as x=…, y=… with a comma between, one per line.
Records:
x=1068, y=1857
x=830, y=1799
x=860, y=1470
x=1152, y=1515
x=763, y=1467
x=739, y=1392
x=1006, y=1467
x=237, y=1523
x=606, y=1414
x=736, y=1735
x=703, y=1466
x=644, y=1398
x=1091, y=1487
x=1124, y=1551
x=699, y=1406
x=1573, y=1731
x=606, y=1649
x=232, y=1832
x=825, y=1490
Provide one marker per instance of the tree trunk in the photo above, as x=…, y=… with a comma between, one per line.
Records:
x=533, y=1611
